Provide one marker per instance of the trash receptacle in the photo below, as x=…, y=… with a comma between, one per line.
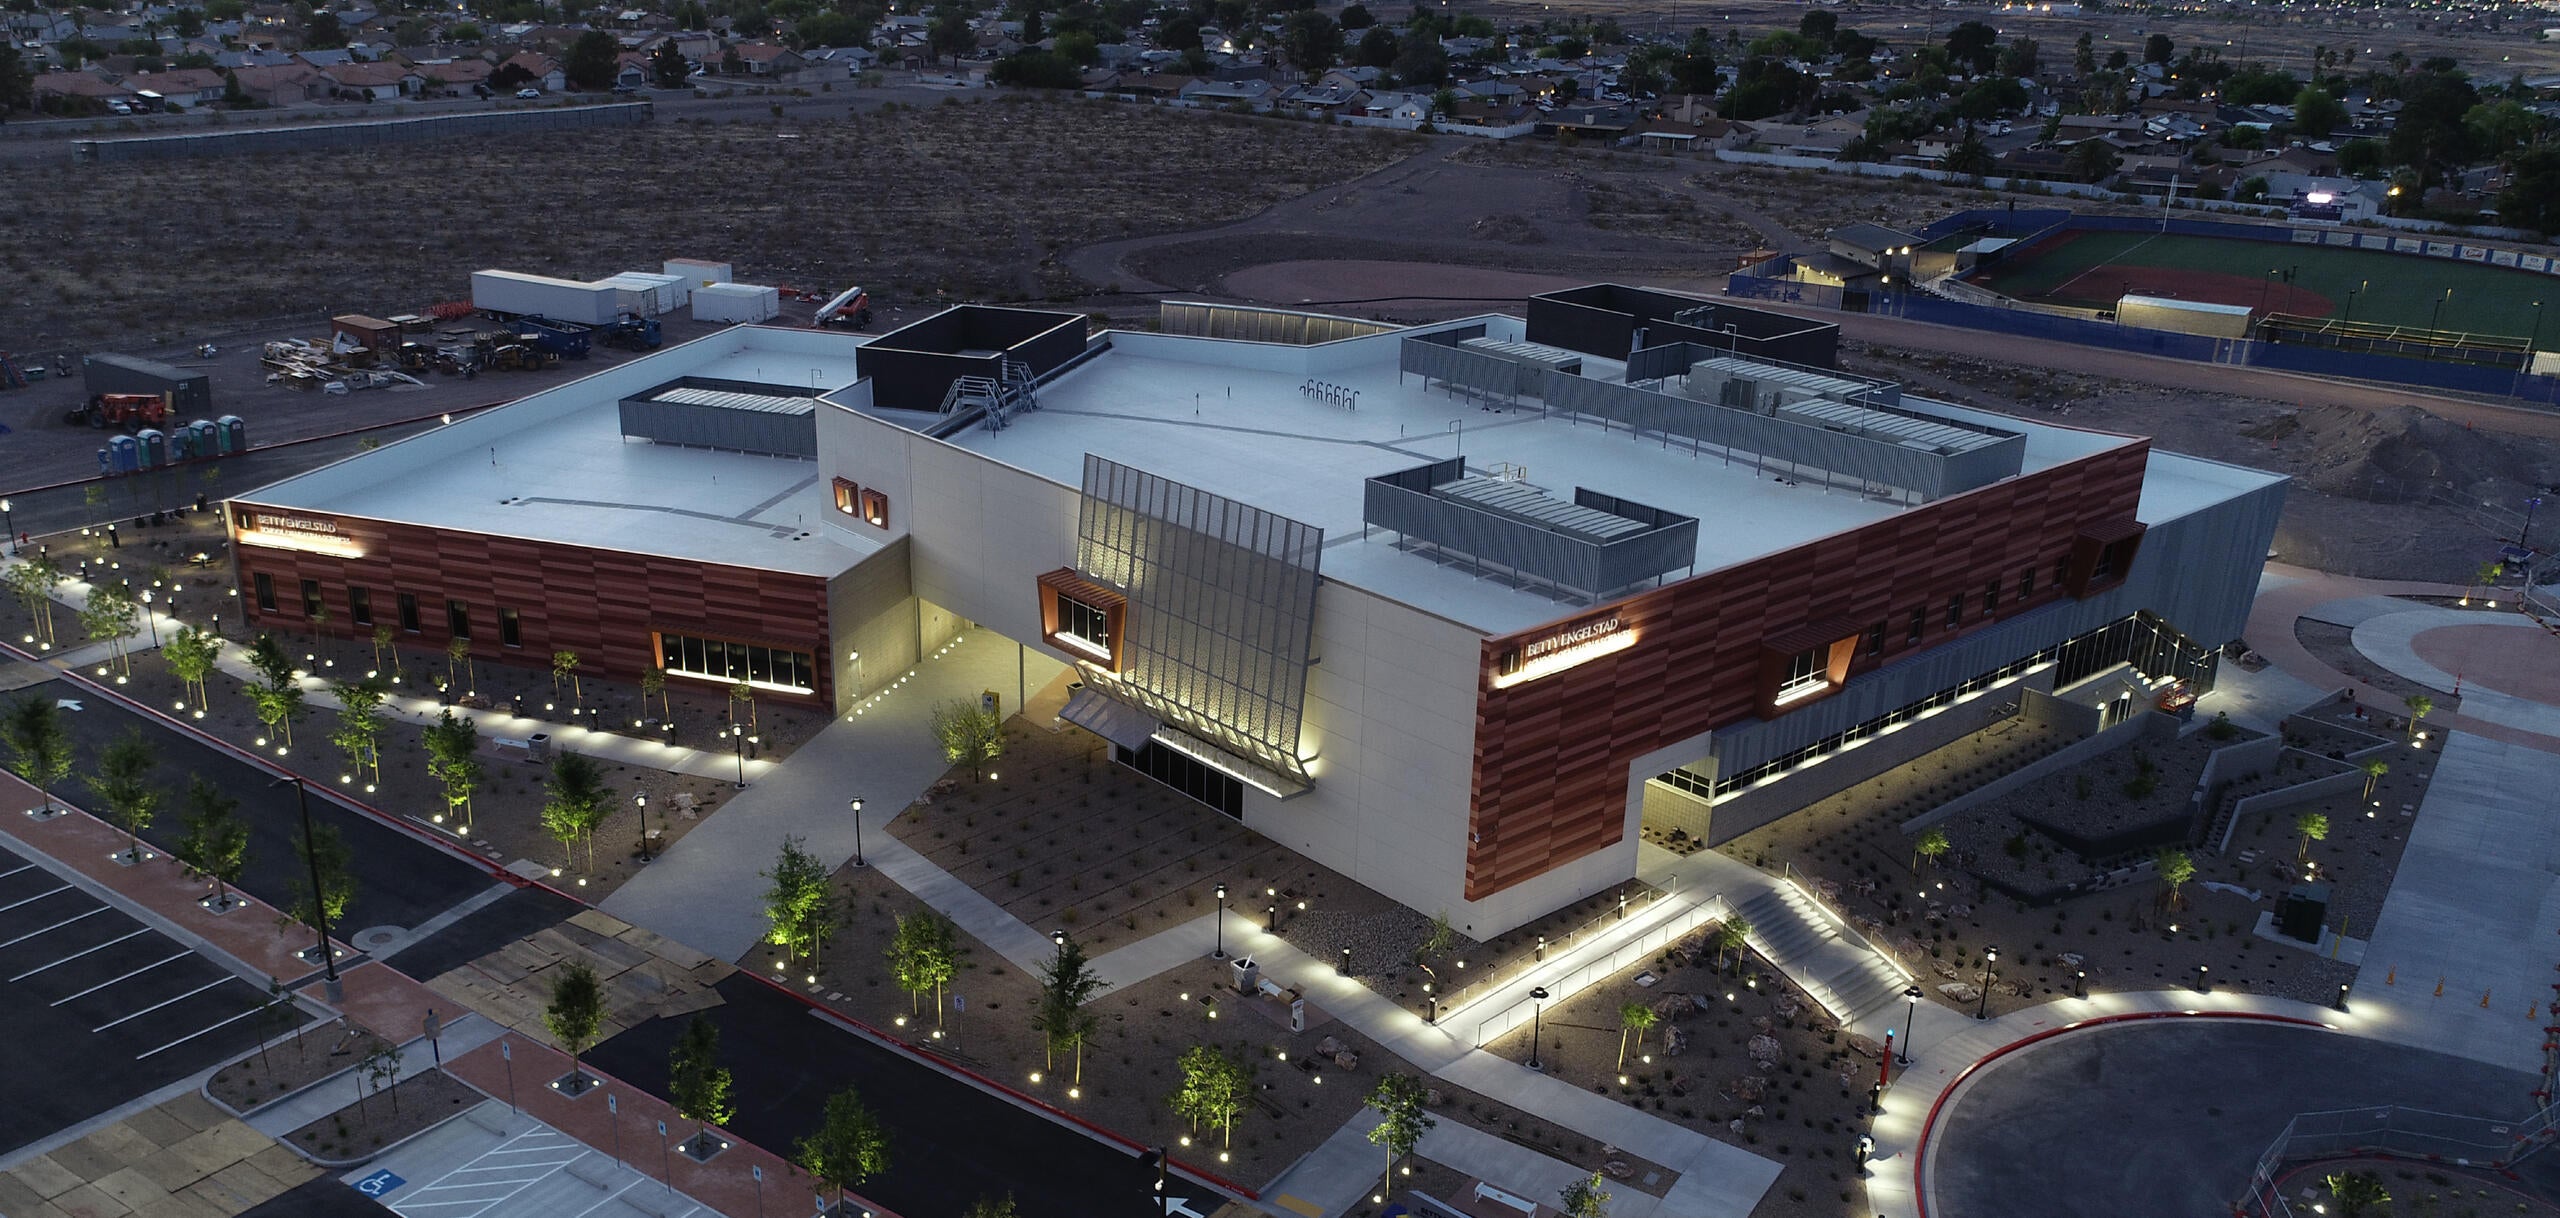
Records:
x=1247, y=973
x=538, y=746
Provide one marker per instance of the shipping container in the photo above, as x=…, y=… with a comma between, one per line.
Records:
x=373, y=332
x=508, y=294
x=697, y=272
x=736, y=302
x=661, y=294
x=188, y=392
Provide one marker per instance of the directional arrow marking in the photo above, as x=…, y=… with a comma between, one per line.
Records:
x=1181, y=1205
x=72, y=704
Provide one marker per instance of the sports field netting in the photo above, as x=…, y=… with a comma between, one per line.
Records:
x=2091, y=269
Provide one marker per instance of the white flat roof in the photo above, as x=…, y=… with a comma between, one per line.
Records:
x=1198, y=411
x=554, y=466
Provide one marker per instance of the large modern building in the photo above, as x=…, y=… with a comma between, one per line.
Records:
x=1453, y=609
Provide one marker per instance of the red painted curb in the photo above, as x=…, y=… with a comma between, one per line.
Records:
x=1920, y=1149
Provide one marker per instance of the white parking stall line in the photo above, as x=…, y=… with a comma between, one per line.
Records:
x=139, y=930
x=38, y=897
x=157, y=1005
x=56, y=926
x=466, y=1198
x=128, y=976
x=15, y=870
x=199, y=1032
x=609, y=1198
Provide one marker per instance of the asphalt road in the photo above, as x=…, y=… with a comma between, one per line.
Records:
x=399, y=879
x=99, y=1008
x=2166, y=1118
x=326, y=1197
x=482, y=931
x=949, y=1144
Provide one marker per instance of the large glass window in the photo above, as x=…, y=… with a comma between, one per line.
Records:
x=726, y=661
x=1185, y=774
x=1804, y=676
x=1079, y=620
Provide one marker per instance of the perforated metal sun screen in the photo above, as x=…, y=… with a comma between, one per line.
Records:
x=1222, y=600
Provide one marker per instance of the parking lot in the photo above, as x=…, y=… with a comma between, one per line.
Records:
x=98, y=1008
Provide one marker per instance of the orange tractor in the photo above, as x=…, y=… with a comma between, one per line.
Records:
x=121, y=410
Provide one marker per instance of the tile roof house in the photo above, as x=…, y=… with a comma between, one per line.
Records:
x=545, y=74
x=770, y=59
x=65, y=87
x=282, y=84
x=184, y=86
x=373, y=81
x=452, y=77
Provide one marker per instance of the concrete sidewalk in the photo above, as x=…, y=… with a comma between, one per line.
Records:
x=1346, y=1170
x=318, y=1100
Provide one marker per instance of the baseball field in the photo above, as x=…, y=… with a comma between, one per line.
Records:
x=2090, y=269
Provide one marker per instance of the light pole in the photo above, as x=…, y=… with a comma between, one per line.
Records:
x=856, y=803
x=1221, y=953
x=1990, y=957
x=1434, y=1000
x=337, y=990
x=2531, y=345
x=148, y=616
x=738, y=742
x=1059, y=937
x=641, y=801
x=12, y=530
x=2437, y=317
x=1537, y=1026
x=2203, y=984
x=2530, y=503
x=1911, y=995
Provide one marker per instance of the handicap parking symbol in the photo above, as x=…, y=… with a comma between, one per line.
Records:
x=378, y=1183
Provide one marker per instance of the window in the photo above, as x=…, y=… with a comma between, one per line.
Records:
x=2061, y=572
x=2108, y=555
x=312, y=605
x=1087, y=623
x=510, y=628
x=1990, y=597
x=1955, y=612
x=266, y=588
x=2026, y=583
x=1804, y=676
x=848, y=497
x=875, y=509
x=360, y=606
x=1875, y=639
x=457, y=620
x=409, y=612
x=1182, y=773
x=725, y=661
x=1919, y=622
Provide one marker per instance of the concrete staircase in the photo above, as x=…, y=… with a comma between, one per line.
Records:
x=1793, y=932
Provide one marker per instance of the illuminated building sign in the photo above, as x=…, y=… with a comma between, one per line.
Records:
x=1574, y=645
x=309, y=534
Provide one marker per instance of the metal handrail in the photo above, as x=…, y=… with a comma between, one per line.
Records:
x=1504, y=974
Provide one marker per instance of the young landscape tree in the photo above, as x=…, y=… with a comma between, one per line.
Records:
x=922, y=955
x=575, y=1013
x=191, y=654
x=215, y=845
x=1399, y=1100
x=121, y=779
x=383, y=642
x=590, y=62
x=1634, y=1017
x=2310, y=827
x=798, y=901
x=575, y=803
x=969, y=733
x=742, y=694
x=699, y=1084
x=2374, y=769
x=2356, y=1192
x=361, y=722
x=111, y=617
x=667, y=66
x=653, y=684
x=39, y=748
x=992, y=1207
x=33, y=581
x=1216, y=1085
x=849, y=1146
x=2175, y=869
x=323, y=853
x=278, y=692
x=1932, y=845
x=1729, y=938
x=453, y=760
x=1067, y=982
x=2420, y=706
x=457, y=660
x=1585, y=1198
x=564, y=667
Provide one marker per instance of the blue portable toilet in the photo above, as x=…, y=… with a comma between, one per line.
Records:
x=106, y=462
x=206, y=441
x=234, y=433
x=124, y=454
x=181, y=444
x=155, y=447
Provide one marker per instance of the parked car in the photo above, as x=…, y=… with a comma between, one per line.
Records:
x=528, y=93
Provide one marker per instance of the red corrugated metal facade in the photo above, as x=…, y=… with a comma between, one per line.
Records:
x=1552, y=753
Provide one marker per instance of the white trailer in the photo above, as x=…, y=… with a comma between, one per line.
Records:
x=650, y=295
x=516, y=295
x=736, y=302
x=697, y=271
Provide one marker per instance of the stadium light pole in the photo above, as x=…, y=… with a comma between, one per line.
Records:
x=2534, y=343
x=2435, y=319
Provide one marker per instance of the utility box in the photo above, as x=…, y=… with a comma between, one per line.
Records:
x=537, y=747
x=1247, y=972
x=2302, y=911
x=189, y=392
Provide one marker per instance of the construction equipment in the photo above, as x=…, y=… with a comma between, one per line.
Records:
x=122, y=410
x=414, y=357
x=631, y=334
x=567, y=338
x=851, y=309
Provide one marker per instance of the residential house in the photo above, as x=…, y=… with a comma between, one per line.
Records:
x=2308, y=160
x=282, y=84
x=537, y=67
x=327, y=59
x=181, y=86
x=2077, y=127
x=1357, y=78
x=1256, y=94
x=1318, y=101
x=854, y=60
x=77, y=92
x=251, y=59
x=1407, y=107
x=372, y=81
x=769, y=59
x=1154, y=86
x=452, y=77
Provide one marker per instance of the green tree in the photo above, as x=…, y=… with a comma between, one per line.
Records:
x=324, y=852
x=564, y=667
x=667, y=66
x=799, y=903
x=2429, y=136
x=215, y=844
x=699, y=1084
x=849, y=1147
x=1033, y=68
x=575, y=1013
x=361, y=722
x=949, y=33
x=2158, y=49
x=992, y=1207
x=33, y=581
x=17, y=82
x=458, y=651
x=2310, y=827
x=323, y=32
x=1216, y=1086
x=2419, y=706
x=1633, y=1017
x=1729, y=937
x=923, y=956
x=2093, y=160
x=2532, y=197
x=1378, y=48
x=1970, y=155
x=2316, y=113
x=1420, y=62
x=969, y=734
x=1585, y=1198
x=453, y=760
x=111, y=617
x=1067, y=982
x=278, y=693
x=121, y=779
x=383, y=642
x=590, y=63
x=653, y=684
x=2356, y=1192
x=1312, y=41
x=1399, y=1100
x=575, y=803
x=1974, y=47
x=2175, y=869
x=192, y=654
x=1932, y=846
x=39, y=748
